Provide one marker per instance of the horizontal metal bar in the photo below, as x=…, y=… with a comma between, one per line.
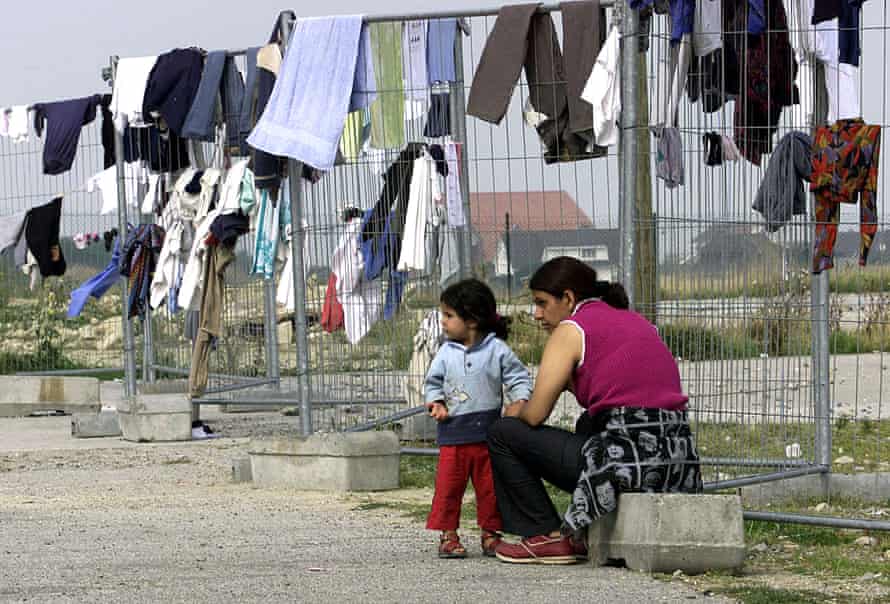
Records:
x=422, y=451
x=754, y=463
x=219, y=376
x=831, y=522
x=279, y=400
x=92, y=371
x=240, y=386
x=482, y=12
x=388, y=419
x=762, y=478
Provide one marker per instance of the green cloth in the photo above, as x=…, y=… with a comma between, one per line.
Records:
x=354, y=135
x=388, y=111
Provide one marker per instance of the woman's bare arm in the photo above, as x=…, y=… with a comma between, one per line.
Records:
x=561, y=353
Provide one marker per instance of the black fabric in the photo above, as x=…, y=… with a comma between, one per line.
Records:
x=108, y=157
x=42, y=236
x=438, y=121
x=521, y=456
x=826, y=10
x=63, y=121
x=713, y=149
x=172, y=85
x=228, y=227
x=194, y=185
x=267, y=168
x=163, y=150
x=438, y=155
x=394, y=196
x=714, y=79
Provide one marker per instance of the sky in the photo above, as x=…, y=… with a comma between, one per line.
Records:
x=57, y=48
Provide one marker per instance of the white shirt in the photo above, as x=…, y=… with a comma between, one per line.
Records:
x=362, y=300
x=17, y=128
x=106, y=182
x=128, y=94
x=603, y=91
x=424, y=191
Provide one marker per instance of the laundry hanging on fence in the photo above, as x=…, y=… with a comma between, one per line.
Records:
x=200, y=121
x=212, y=299
x=11, y=230
x=139, y=259
x=16, y=123
x=424, y=192
x=362, y=299
x=388, y=110
x=332, y=311
x=781, y=194
x=172, y=86
x=523, y=38
x=414, y=57
x=42, y=235
x=441, y=35
x=770, y=69
x=128, y=93
x=63, y=121
x=312, y=95
x=846, y=156
x=96, y=286
x=603, y=92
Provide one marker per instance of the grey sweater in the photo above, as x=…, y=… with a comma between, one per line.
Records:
x=782, y=193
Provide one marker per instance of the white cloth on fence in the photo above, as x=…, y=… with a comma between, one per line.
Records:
x=454, y=197
x=4, y=121
x=169, y=264
x=424, y=191
x=603, y=92
x=230, y=192
x=11, y=229
x=285, y=293
x=189, y=296
x=106, y=183
x=707, y=28
x=17, y=128
x=131, y=77
x=313, y=92
x=362, y=300
x=151, y=195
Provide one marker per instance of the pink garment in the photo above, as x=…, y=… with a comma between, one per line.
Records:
x=624, y=362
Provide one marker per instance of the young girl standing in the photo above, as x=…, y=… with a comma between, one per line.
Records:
x=464, y=393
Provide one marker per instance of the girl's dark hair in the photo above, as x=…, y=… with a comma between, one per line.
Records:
x=565, y=273
x=472, y=300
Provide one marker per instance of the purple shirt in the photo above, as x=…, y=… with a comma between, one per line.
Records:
x=623, y=363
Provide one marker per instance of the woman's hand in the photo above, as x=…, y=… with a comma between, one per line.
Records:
x=514, y=408
x=438, y=411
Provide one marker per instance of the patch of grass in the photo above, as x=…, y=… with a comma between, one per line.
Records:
x=867, y=441
x=417, y=471
x=767, y=595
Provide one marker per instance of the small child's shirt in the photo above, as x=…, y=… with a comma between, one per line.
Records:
x=471, y=382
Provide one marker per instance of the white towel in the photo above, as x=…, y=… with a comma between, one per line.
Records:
x=307, y=109
x=18, y=124
x=603, y=91
x=129, y=90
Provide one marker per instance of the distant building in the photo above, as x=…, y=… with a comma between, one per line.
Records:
x=529, y=249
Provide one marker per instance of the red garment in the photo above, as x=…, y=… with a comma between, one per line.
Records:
x=456, y=464
x=332, y=310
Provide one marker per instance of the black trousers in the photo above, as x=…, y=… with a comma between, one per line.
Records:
x=521, y=458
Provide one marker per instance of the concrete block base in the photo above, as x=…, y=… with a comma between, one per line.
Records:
x=358, y=461
x=241, y=470
x=156, y=418
x=96, y=425
x=668, y=532
x=25, y=395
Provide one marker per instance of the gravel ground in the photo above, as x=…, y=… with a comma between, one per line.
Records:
x=101, y=520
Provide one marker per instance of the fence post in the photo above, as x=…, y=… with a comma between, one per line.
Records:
x=820, y=299
x=126, y=324
x=273, y=366
x=459, y=105
x=627, y=151
x=148, y=355
x=298, y=236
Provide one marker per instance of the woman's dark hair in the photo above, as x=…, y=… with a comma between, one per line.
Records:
x=565, y=273
x=472, y=300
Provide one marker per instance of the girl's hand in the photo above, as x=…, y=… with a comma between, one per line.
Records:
x=438, y=411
